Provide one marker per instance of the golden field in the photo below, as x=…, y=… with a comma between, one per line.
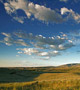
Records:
x=66, y=77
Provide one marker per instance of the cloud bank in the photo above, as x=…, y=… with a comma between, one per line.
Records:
x=32, y=10
x=39, y=12
x=38, y=45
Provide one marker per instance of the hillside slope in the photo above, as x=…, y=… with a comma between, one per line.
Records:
x=26, y=74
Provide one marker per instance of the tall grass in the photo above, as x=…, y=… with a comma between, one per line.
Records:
x=43, y=85
x=61, y=78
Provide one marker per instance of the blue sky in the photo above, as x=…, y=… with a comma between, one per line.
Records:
x=39, y=32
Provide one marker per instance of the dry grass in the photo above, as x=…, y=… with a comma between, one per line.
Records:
x=61, y=78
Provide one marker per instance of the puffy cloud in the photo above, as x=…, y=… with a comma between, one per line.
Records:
x=37, y=44
x=39, y=12
x=64, y=10
x=41, y=40
x=62, y=47
x=9, y=40
x=36, y=11
x=20, y=42
x=33, y=51
x=28, y=51
x=54, y=53
x=24, y=35
x=20, y=52
x=43, y=54
x=70, y=14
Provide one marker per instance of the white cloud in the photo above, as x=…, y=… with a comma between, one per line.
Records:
x=33, y=51
x=8, y=44
x=9, y=40
x=70, y=14
x=6, y=34
x=64, y=10
x=28, y=51
x=20, y=52
x=63, y=46
x=43, y=54
x=55, y=52
x=20, y=42
x=39, y=12
x=37, y=44
x=41, y=40
x=47, y=58
x=24, y=35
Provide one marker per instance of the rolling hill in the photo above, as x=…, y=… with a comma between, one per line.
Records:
x=67, y=76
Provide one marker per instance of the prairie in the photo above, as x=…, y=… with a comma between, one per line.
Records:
x=66, y=77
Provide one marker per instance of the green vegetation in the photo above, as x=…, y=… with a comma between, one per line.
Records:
x=41, y=78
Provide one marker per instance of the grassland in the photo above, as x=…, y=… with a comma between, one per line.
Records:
x=41, y=78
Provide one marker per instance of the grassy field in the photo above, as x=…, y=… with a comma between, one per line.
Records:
x=41, y=78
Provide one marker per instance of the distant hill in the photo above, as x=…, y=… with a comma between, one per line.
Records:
x=25, y=74
x=71, y=65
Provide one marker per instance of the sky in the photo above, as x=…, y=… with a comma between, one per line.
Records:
x=39, y=32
